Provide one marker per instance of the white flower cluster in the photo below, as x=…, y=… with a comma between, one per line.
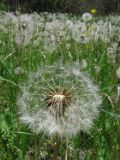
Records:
x=49, y=30
x=113, y=51
x=59, y=99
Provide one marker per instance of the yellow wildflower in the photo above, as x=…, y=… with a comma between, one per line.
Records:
x=93, y=11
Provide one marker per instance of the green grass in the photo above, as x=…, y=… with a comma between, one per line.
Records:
x=18, y=142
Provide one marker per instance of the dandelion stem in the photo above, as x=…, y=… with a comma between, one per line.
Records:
x=57, y=147
x=66, y=152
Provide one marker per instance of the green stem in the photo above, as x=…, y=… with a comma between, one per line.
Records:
x=57, y=148
x=66, y=151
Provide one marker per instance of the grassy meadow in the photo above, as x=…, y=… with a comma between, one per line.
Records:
x=29, y=40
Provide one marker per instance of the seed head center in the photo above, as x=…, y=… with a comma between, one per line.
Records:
x=58, y=97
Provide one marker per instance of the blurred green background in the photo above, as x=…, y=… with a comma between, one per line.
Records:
x=69, y=6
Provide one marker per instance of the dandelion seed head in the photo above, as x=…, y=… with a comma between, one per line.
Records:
x=59, y=99
x=118, y=90
x=118, y=72
x=83, y=63
x=86, y=17
x=110, y=50
x=18, y=70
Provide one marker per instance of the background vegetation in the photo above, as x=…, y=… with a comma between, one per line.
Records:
x=69, y=6
x=18, y=59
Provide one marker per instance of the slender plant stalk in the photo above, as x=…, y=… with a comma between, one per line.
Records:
x=66, y=151
x=36, y=148
x=57, y=147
